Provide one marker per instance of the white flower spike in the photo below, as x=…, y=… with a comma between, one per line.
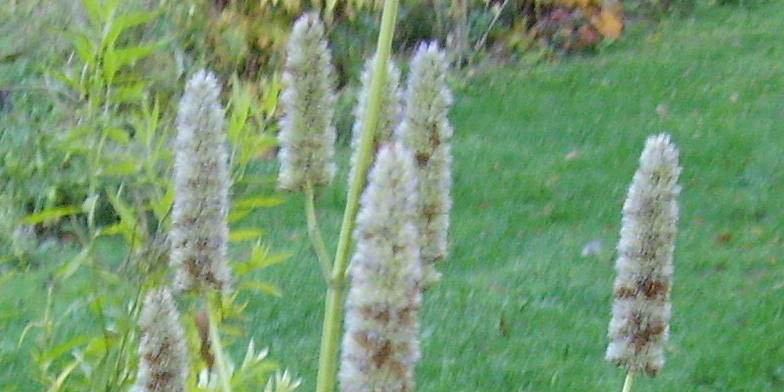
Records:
x=163, y=358
x=381, y=345
x=426, y=131
x=641, y=310
x=307, y=132
x=388, y=118
x=200, y=231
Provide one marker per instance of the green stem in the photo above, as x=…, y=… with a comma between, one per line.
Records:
x=627, y=385
x=337, y=286
x=315, y=233
x=215, y=342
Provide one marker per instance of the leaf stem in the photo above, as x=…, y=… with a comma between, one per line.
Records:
x=215, y=342
x=314, y=232
x=337, y=285
x=627, y=385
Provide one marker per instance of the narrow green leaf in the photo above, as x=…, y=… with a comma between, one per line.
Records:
x=96, y=347
x=259, y=258
x=116, y=58
x=94, y=12
x=240, y=108
x=63, y=348
x=68, y=269
x=115, y=229
x=261, y=288
x=237, y=215
x=127, y=217
x=83, y=46
x=129, y=93
x=97, y=305
x=58, y=383
x=162, y=206
x=51, y=213
x=270, y=103
x=122, y=23
x=75, y=138
x=258, y=202
x=70, y=81
x=244, y=235
x=118, y=135
x=120, y=166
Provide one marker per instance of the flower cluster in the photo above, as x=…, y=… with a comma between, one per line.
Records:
x=380, y=346
x=641, y=309
x=200, y=230
x=425, y=130
x=163, y=360
x=307, y=133
x=388, y=117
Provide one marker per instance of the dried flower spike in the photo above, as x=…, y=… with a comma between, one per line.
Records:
x=380, y=346
x=200, y=230
x=388, y=118
x=425, y=130
x=307, y=134
x=641, y=309
x=163, y=360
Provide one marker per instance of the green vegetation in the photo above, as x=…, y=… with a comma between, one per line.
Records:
x=543, y=156
x=543, y=159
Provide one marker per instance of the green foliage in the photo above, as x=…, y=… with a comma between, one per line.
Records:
x=542, y=164
x=248, y=37
x=106, y=167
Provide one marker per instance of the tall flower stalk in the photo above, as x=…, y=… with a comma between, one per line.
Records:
x=380, y=345
x=337, y=285
x=200, y=231
x=425, y=130
x=641, y=310
x=307, y=136
x=163, y=355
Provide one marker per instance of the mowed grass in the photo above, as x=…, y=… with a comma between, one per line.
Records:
x=542, y=161
x=543, y=157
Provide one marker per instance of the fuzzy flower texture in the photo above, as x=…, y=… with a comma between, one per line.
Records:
x=425, y=130
x=388, y=117
x=380, y=346
x=641, y=310
x=200, y=230
x=307, y=134
x=163, y=364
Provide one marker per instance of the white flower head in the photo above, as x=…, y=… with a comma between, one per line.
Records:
x=425, y=130
x=307, y=132
x=200, y=230
x=381, y=345
x=388, y=117
x=163, y=357
x=641, y=310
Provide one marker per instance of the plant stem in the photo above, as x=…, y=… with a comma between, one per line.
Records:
x=627, y=385
x=315, y=233
x=215, y=342
x=337, y=285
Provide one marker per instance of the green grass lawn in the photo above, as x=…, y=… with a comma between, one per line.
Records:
x=543, y=157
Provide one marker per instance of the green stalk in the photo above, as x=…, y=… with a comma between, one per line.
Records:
x=215, y=342
x=336, y=290
x=315, y=233
x=627, y=385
